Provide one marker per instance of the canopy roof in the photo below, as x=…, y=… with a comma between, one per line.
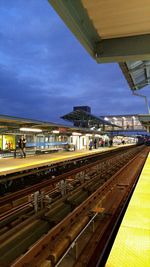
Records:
x=112, y=31
x=109, y=30
x=86, y=118
x=13, y=124
x=145, y=120
x=137, y=73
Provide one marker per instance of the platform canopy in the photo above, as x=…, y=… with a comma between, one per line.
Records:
x=137, y=73
x=112, y=31
x=9, y=124
x=85, y=119
x=145, y=120
x=15, y=125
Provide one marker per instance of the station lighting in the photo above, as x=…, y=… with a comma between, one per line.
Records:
x=76, y=134
x=31, y=130
x=106, y=119
x=97, y=135
x=55, y=131
x=88, y=135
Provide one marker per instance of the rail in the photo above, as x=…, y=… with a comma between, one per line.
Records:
x=41, y=249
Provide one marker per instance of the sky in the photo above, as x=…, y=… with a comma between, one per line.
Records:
x=45, y=71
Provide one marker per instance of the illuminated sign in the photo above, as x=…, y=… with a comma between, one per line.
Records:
x=0, y=142
x=8, y=142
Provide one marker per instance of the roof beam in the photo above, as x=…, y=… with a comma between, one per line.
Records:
x=129, y=75
x=77, y=20
x=121, y=49
x=124, y=49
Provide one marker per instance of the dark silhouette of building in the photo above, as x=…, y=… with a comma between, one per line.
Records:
x=85, y=108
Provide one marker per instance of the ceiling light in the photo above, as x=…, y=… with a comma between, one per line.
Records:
x=30, y=130
x=55, y=131
x=106, y=119
x=76, y=134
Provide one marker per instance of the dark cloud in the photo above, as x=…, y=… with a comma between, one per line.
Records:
x=44, y=70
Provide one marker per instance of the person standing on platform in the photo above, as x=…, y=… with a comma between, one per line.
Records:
x=90, y=145
x=95, y=143
x=22, y=144
x=111, y=142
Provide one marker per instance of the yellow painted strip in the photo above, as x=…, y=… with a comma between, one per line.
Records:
x=38, y=162
x=132, y=244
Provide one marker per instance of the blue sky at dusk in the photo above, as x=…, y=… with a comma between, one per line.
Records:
x=44, y=71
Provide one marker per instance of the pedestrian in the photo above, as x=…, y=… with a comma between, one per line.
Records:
x=95, y=143
x=111, y=142
x=90, y=145
x=123, y=141
x=22, y=145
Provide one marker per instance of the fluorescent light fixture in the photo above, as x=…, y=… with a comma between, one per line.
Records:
x=106, y=119
x=55, y=131
x=97, y=135
x=76, y=134
x=31, y=130
x=88, y=135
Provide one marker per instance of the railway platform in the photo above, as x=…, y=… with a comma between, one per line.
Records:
x=12, y=165
x=132, y=244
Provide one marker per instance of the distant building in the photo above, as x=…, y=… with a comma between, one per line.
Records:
x=127, y=122
x=85, y=108
x=124, y=125
x=82, y=117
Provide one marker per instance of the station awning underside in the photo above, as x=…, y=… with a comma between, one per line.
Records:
x=83, y=117
x=145, y=120
x=13, y=124
x=137, y=73
x=112, y=31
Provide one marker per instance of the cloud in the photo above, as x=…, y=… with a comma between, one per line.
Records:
x=44, y=70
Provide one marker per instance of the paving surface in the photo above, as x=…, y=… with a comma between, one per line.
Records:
x=132, y=243
x=11, y=165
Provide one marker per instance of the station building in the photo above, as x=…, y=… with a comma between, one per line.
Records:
x=44, y=137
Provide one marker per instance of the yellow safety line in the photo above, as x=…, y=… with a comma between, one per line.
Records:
x=40, y=162
x=132, y=244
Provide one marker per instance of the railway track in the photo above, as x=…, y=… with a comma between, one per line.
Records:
x=14, y=182
x=58, y=226
x=23, y=184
